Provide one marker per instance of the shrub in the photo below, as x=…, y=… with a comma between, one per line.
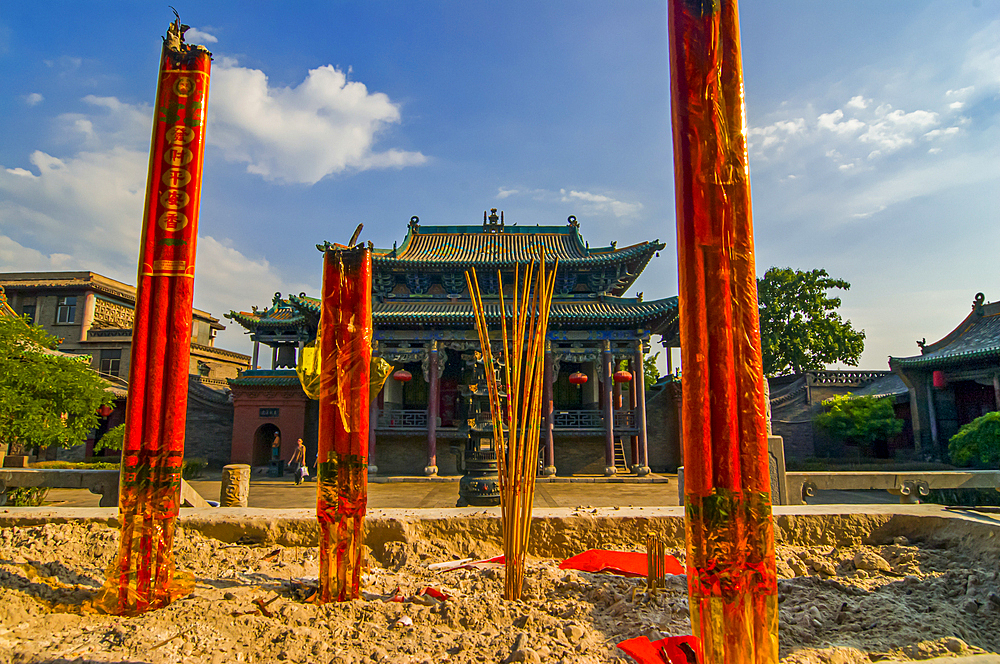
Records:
x=859, y=421
x=193, y=468
x=977, y=443
x=29, y=496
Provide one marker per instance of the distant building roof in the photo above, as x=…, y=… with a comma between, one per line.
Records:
x=90, y=280
x=977, y=338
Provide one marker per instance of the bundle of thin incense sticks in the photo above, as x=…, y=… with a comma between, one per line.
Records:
x=516, y=423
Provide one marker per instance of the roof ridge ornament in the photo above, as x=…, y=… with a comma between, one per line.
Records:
x=977, y=303
x=490, y=224
x=571, y=220
x=414, y=223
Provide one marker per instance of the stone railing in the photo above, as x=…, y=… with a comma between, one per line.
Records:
x=845, y=377
x=578, y=419
x=403, y=419
x=910, y=486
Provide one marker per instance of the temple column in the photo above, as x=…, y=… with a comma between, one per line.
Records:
x=433, y=402
x=607, y=410
x=549, y=414
x=372, y=423
x=256, y=353
x=996, y=390
x=274, y=358
x=639, y=389
x=634, y=439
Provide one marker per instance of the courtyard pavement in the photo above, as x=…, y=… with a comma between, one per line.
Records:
x=437, y=493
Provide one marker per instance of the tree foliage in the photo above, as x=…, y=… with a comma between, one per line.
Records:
x=46, y=399
x=650, y=372
x=860, y=421
x=114, y=439
x=800, y=328
x=977, y=443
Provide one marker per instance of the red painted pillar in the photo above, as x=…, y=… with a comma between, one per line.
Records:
x=730, y=532
x=143, y=575
x=433, y=407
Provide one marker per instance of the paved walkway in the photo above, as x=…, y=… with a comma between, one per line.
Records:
x=420, y=493
x=427, y=493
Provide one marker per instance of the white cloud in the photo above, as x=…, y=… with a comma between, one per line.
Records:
x=324, y=126
x=600, y=202
x=858, y=102
x=832, y=122
x=33, y=99
x=503, y=193
x=83, y=211
x=200, y=37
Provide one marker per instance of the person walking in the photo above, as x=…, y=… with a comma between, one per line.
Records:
x=299, y=461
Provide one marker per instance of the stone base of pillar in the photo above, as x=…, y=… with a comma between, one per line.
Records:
x=430, y=471
x=372, y=469
x=549, y=471
x=642, y=471
x=610, y=471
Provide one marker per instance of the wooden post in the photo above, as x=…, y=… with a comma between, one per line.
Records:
x=548, y=413
x=607, y=362
x=433, y=404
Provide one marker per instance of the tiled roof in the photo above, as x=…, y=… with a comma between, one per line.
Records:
x=611, y=312
x=462, y=246
x=265, y=378
x=976, y=338
x=886, y=386
x=264, y=320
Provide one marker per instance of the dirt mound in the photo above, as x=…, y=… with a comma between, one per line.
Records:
x=847, y=605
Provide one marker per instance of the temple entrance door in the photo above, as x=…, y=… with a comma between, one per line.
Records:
x=262, y=440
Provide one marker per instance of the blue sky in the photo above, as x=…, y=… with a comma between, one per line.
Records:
x=874, y=127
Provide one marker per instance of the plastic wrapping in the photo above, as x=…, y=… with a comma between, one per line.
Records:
x=309, y=369
x=730, y=532
x=345, y=339
x=142, y=576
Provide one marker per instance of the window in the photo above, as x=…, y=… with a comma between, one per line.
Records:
x=28, y=311
x=111, y=361
x=66, y=310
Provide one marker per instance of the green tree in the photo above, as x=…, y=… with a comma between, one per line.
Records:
x=650, y=372
x=800, y=328
x=861, y=421
x=977, y=443
x=46, y=398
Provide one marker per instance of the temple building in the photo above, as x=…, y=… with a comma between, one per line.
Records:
x=424, y=327
x=955, y=380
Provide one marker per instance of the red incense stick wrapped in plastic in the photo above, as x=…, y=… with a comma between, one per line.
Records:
x=143, y=575
x=730, y=533
x=345, y=342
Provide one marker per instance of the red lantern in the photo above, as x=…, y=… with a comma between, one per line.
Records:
x=623, y=376
x=940, y=381
x=105, y=410
x=403, y=376
x=578, y=378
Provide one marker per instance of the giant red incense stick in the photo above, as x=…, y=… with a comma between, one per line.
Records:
x=346, y=351
x=143, y=575
x=730, y=533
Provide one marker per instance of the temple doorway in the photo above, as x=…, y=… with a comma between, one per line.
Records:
x=262, y=441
